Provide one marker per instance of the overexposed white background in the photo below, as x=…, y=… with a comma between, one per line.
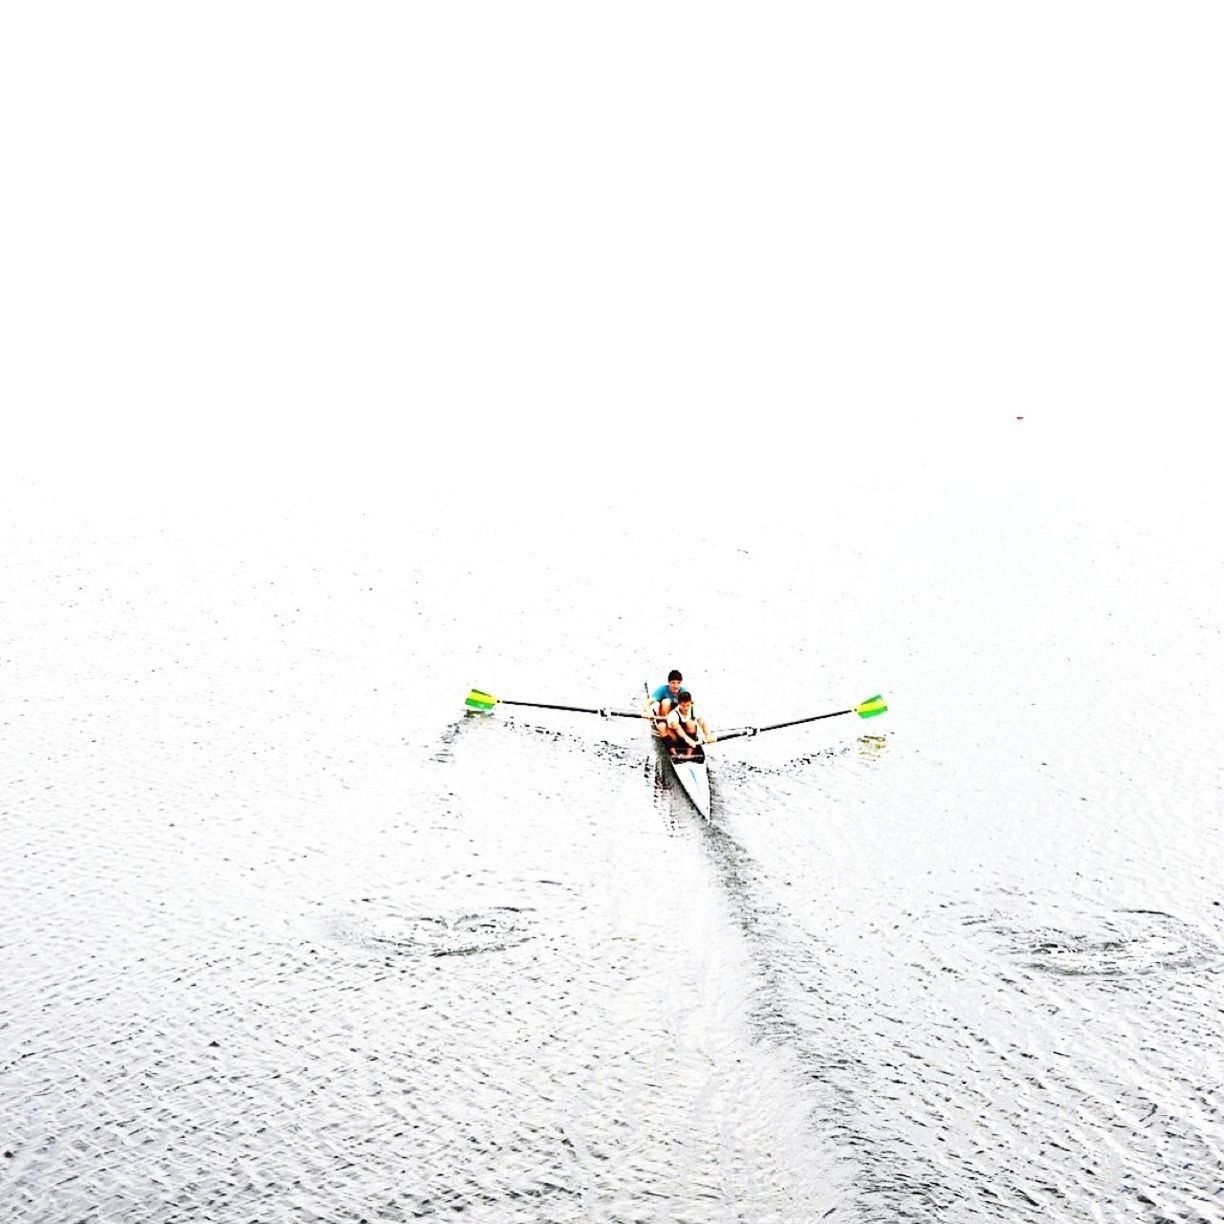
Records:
x=547, y=249
x=351, y=356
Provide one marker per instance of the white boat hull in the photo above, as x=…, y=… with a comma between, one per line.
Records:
x=693, y=777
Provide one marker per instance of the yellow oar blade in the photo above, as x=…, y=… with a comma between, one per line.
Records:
x=476, y=700
x=871, y=707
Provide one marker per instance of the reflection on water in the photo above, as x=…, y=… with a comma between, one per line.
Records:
x=289, y=935
x=459, y=935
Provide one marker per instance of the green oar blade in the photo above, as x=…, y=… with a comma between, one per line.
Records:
x=871, y=707
x=476, y=700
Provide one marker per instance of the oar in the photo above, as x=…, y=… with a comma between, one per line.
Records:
x=476, y=700
x=865, y=709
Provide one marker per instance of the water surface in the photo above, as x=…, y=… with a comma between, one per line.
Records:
x=288, y=935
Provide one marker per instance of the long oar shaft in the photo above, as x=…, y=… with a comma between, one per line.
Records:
x=544, y=705
x=794, y=722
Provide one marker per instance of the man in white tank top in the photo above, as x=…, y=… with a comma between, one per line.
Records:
x=685, y=726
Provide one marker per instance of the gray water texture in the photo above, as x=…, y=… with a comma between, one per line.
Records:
x=286, y=935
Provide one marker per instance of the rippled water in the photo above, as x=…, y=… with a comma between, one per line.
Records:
x=288, y=935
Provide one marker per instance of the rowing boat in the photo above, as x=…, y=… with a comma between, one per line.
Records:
x=690, y=771
x=689, y=767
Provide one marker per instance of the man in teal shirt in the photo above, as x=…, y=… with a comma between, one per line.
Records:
x=665, y=698
x=662, y=702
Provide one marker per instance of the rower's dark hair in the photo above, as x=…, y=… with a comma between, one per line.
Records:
x=674, y=675
x=683, y=695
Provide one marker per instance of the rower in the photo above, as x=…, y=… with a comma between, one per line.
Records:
x=685, y=725
x=663, y=700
